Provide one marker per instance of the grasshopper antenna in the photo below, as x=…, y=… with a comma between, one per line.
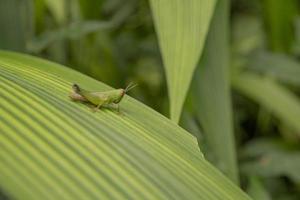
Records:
x=130, y=86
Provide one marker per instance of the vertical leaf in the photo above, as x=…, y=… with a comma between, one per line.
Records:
x=16, y=24
x=181, y=27
x=213, y=93
x=257, y=190
x=91, y=9
x=58, y=9
x=279, y=16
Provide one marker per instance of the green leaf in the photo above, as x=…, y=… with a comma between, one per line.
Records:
x=279, y=19
x=181, y=27
x=212, y=94
x=91, y=9
x=280, y=101
x=73, y=31
x=58, y=9
x=277, y=65
x=54, y=148
x=78, y=29
x=257, y=190
x=16, y=22
x=263, y=157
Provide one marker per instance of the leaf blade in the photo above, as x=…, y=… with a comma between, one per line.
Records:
x=77, y=153
x=181, y=28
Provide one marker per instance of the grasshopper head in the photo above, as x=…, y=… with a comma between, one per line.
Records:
x=76, y=88
x=123, y=92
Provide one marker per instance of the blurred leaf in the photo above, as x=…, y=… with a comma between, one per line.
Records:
x=16, y=22
x=58, y=10
x=246, y=38
x=212, y=89
x=257, y=147
x=190, y=124
x=264, y=121
x=40, y=10
x=277, y=65
x=281, y=102
x=94, y=56
x=181, y=27
x=296, y=45
x=257, y=190
x=271, y=159
x=73, y=31
x=78, y=30
x=91, y=9
x=279, y=20
x=53, y=148
x=288, y=134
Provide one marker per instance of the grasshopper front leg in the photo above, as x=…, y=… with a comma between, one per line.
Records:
x=98, y=107
x=115, y=106
x=118, y=108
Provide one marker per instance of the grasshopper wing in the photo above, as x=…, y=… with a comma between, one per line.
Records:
x=96, y=98
x=101, y=97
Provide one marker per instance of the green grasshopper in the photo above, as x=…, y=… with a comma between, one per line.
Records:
x=100, y=98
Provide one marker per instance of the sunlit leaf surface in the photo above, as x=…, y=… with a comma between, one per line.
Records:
x=53, y=148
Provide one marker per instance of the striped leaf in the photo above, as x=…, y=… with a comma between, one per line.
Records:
x=181, y=28
x=53, y=148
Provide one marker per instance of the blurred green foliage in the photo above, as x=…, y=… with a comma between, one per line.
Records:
x=114, y=41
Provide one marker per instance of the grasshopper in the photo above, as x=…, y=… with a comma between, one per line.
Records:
x=100, y=98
